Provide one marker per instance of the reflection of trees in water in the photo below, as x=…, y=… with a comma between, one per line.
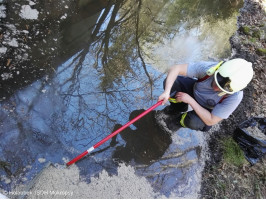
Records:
x=192, y=12
x=121, y=30
x=118, y=37
x=116, y=48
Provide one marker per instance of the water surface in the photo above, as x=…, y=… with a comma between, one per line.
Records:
x=87, y=68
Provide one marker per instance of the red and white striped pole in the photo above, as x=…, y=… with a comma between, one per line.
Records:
x=114, y=133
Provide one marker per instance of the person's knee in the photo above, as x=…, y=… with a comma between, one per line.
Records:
x=192, y=121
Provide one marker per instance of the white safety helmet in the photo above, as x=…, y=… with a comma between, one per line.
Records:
x=238, y=71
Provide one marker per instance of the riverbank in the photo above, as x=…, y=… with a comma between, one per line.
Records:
x=223, y=179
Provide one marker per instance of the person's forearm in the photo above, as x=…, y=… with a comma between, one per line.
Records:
x=172, y=75
x=207, y=117
x=203, y=113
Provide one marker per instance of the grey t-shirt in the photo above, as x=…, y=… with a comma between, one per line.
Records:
x=206, y=96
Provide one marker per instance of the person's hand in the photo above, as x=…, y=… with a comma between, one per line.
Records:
x=184, y=97
x=164, y=96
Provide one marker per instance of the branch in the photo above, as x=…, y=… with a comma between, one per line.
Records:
x=138, y=48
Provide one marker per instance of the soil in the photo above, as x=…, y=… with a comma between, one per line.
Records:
x=221, y=179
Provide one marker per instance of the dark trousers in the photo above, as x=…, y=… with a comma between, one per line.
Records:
x=192, y=120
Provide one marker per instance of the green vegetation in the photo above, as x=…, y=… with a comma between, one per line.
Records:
x=261, y=51
x=256, y=33
x=251, y=31
x=253, y=40
x=232, y=152
x=245, y=30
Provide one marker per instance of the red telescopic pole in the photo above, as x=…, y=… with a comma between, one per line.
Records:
x=114, y=133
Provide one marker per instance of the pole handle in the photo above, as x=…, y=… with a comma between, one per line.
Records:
x=115, y=132
x=77, y=158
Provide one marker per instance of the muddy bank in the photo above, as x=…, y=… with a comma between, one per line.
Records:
x=247, y=181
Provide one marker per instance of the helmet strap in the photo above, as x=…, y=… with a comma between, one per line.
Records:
x=222, y=93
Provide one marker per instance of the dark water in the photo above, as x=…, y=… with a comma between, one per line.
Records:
x=82, y=69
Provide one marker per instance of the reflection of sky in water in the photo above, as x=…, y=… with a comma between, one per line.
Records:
x=204, y=42
x=60, y=117
x=97, y=111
